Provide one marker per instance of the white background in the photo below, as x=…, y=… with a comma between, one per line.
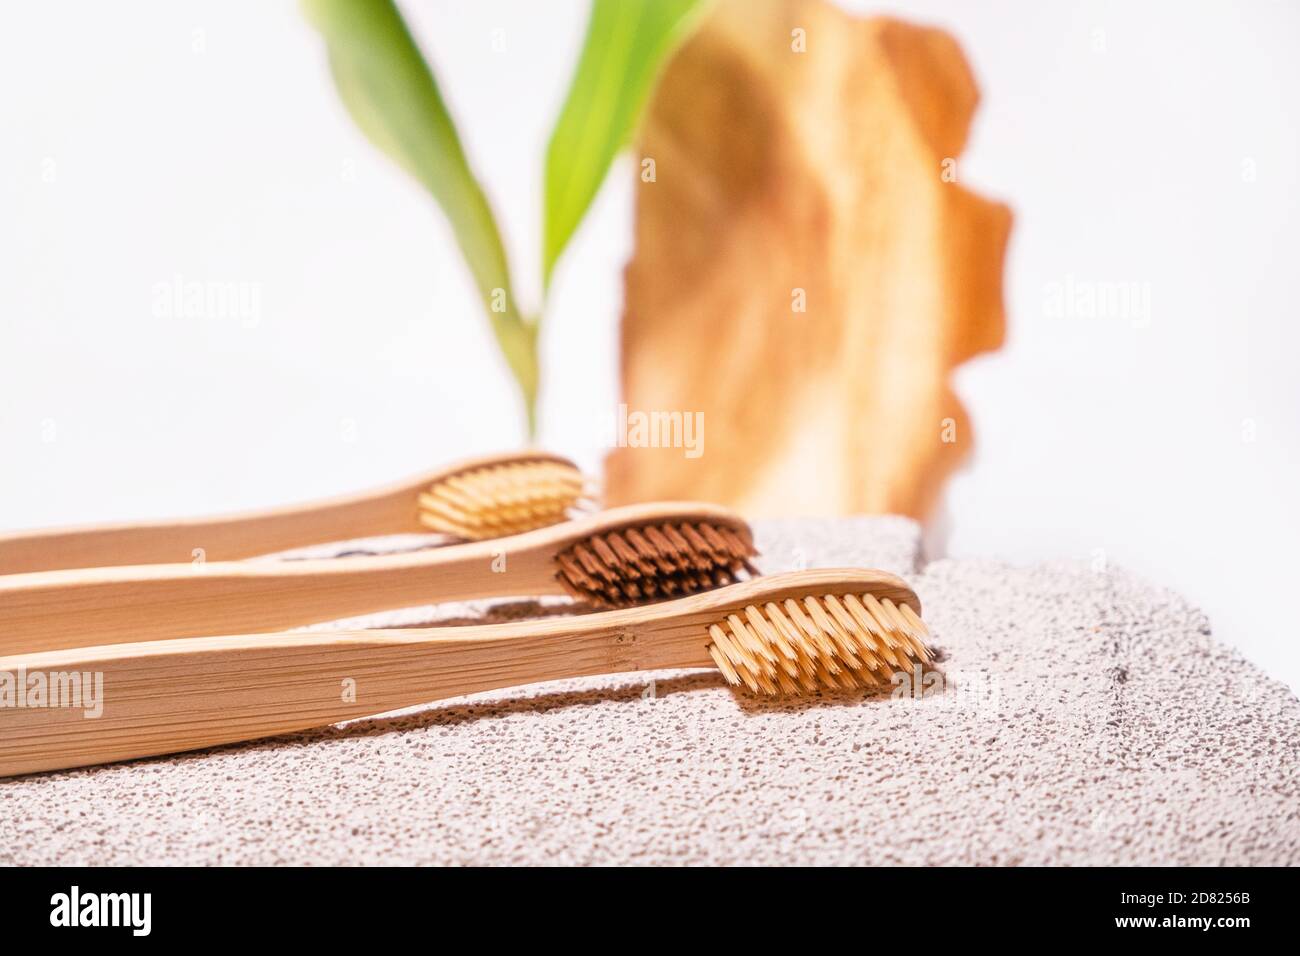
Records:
x=1150, y=143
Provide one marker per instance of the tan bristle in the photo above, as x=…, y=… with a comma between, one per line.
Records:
x=502, y=499
x=654, y=562
x=818, y=643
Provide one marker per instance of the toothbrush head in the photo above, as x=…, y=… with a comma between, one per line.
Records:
x=504, y=496
x=658, y=558
x=799, y=645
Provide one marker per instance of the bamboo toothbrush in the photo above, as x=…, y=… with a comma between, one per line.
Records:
x=627, y=555
x=475, y=499
x=792, y=633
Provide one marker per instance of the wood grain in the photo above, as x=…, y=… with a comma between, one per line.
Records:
x=85, y=607
x=822, y=173
x=392, y=509
x=167, y=696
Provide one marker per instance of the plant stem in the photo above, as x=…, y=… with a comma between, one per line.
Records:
x=517, y=337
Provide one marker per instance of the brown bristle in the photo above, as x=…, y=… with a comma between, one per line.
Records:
x=654, y=562
x=502, y=499
x=818, y=643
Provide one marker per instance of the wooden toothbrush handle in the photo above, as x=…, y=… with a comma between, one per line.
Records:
x=83, y=608
x=392, y=509
x=102, y=704
x=171, y=696
x=220, y=538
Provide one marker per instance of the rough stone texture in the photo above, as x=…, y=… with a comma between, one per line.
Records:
x=1086, y=718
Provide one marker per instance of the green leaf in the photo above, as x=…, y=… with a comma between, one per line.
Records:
x=394, y=98
x=627, y=43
